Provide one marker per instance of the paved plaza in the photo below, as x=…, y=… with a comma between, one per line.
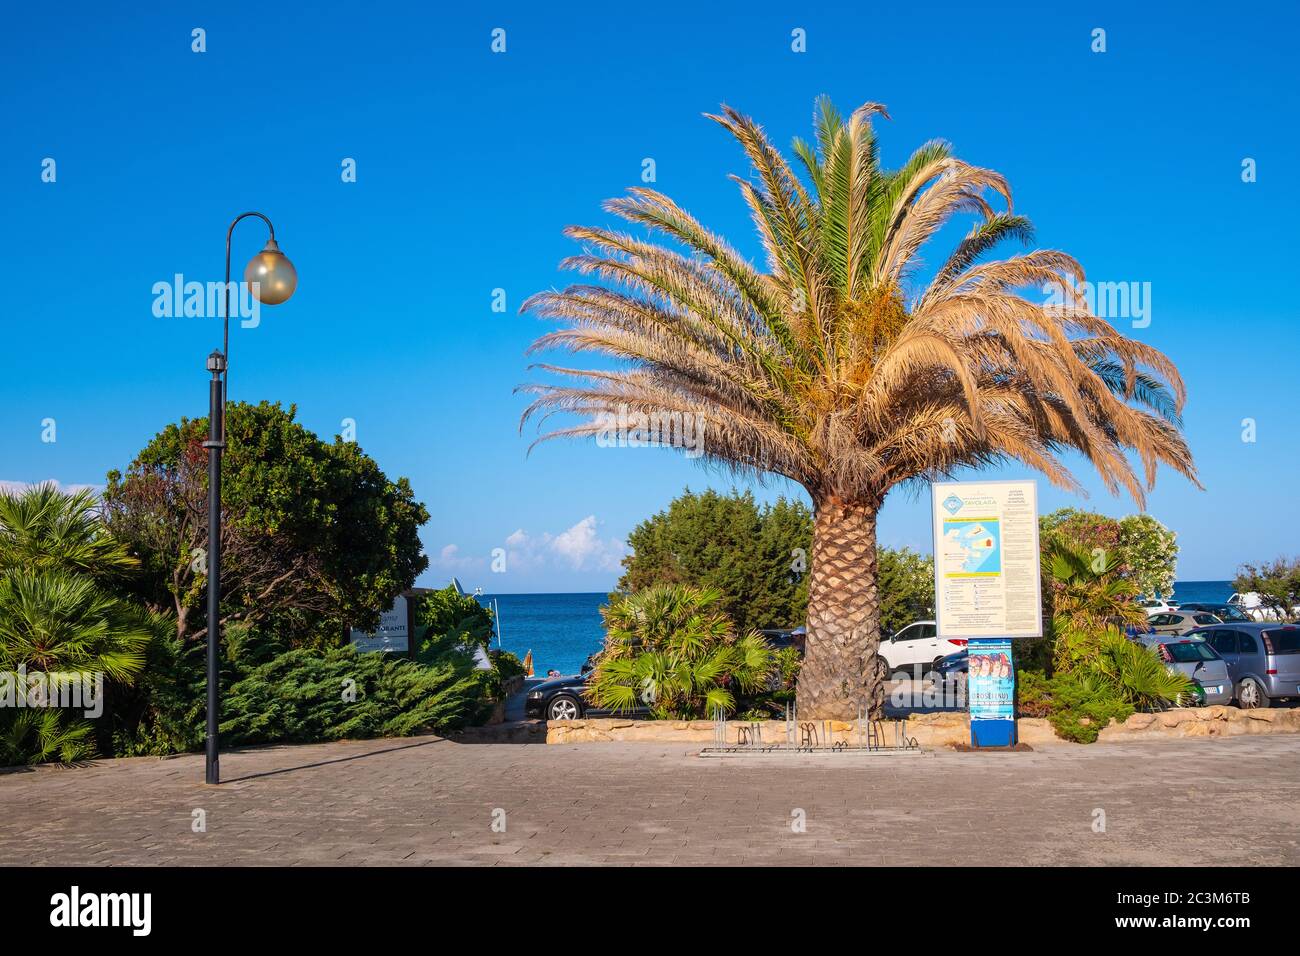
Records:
x=428, y=800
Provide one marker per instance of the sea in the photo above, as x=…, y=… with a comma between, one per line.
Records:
x=562, y=630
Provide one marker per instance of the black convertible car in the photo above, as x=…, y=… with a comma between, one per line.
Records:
x=562, y=698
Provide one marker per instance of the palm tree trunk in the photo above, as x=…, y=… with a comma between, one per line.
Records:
x=839, y=673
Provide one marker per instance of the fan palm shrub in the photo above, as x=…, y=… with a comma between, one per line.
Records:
x=43, y=528
x=1089, y=598
x=845, y=366
x=60, y=615
x=673, y=648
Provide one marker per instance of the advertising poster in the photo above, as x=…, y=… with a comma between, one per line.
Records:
x=986, y=564
x=990, y=685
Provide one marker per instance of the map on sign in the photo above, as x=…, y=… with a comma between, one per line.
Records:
x=971, y=546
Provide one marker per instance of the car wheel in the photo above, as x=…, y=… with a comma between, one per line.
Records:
x=931, y=672
x=564, y=707
x=1251, y=694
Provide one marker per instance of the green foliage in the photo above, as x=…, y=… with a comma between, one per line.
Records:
x=314, y=534
x=32, y=736
x=1088, y=595
x=59, y=613
x=1149, y=550
x=674, y=649
x=1083, y=705
x=755, y=558
x=507, y=664
x=303, y=695
x=1276, y=582
x=905, y=583
x=44, y=529
x=450, y=620
x=1120, y=677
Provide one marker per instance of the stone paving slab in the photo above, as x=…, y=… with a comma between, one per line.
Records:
x=431, y=801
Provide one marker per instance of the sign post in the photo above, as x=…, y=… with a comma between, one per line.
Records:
x=987, y=590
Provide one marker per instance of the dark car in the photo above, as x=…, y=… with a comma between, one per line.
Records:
x=564, y=698
x=1227, y=613
x=953, y=671
x=1263, y=660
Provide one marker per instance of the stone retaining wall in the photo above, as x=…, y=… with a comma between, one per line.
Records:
x=941, y=729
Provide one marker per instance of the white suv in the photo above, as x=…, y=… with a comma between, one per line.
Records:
x=917, y=647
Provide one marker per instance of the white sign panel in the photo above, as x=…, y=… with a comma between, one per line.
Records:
x=393, y=635
x=986, y=563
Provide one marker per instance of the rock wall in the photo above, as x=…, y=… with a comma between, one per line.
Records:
x=937, y=730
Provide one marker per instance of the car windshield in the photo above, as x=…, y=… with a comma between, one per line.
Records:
x=1189, y=652
x=1284, y=640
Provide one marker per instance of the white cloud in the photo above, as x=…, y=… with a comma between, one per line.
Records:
x=579, y=548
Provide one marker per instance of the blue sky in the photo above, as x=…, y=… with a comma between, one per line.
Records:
x=470, y=163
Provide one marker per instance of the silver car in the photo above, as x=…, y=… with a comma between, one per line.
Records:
x=1263, y=660
x=1193, y=657
x=1180, y=622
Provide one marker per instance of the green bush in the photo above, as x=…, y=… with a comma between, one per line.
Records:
x=673, y=649
x=306, y=695
x=1122, y=677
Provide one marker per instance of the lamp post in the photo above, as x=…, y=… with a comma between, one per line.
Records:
x=272, y=278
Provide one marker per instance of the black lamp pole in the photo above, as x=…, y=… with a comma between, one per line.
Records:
x=273, y=279
x=214, y=445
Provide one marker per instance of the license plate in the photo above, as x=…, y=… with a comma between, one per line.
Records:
x=1215, y=689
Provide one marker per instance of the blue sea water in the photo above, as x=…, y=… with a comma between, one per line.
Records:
x=1202, y=590
x=563, y=629
x=560, y=629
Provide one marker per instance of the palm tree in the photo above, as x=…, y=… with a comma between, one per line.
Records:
x=841, y=368
x=673, y=648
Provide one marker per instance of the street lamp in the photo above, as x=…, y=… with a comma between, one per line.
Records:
x=272, y=278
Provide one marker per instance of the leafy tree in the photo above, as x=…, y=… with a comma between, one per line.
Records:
x=906, y=588
x=755, y=558
x=836, y=368
x=1276, y=582
x=673, y=648
x=314, y=535
x=1150, y=552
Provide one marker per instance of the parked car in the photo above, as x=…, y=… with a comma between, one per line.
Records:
x=917, y=648
x=1225, y=612
x=779, y=638
x=1157, y=605
x=953, y=671
x=1179, y=622
x=1263, y=660
x=1192, y=656
x=564, y=698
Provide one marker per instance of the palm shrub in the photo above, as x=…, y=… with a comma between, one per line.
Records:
x=674, y=649
x=41, y=735
x=59, y=613
x=1088, y=596
x=845, y=363
x=1138, y=675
